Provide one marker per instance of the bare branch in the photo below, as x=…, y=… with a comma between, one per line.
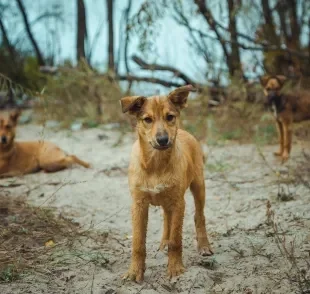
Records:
x=165, y=83
x=29, y=33
x=153, y=66
x=212, y=23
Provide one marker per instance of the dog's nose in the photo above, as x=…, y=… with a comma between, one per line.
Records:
x=162, y=140
x=3, y=139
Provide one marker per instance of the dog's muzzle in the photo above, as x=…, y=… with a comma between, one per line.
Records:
x=4, y=140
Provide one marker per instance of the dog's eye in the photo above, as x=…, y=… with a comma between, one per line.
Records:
x=170, y=117
x=8, y=127
x=268, y=89
x=148, y=120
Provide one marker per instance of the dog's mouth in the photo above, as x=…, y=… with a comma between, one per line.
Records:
x=158, y=147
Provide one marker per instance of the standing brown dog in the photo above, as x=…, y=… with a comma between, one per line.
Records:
x=165, y=161
x=287, y=108
x=18, y=158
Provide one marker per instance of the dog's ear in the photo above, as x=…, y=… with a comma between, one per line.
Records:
x=14, y=116
x=281, y=79
x=264, y=80
x=179, y=96
x=132, y=104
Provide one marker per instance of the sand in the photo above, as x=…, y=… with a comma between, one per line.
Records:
x=239, y=181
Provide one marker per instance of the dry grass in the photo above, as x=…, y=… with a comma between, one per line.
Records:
x=80, y=94
x=34, y=239
x=235, y=121
x=298, y=268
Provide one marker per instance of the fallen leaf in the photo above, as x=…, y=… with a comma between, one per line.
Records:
x=49, y=243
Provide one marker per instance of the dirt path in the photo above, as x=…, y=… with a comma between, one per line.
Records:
x=239, y=183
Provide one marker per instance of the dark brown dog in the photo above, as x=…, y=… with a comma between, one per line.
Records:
x=165, y=162
x=288, y=107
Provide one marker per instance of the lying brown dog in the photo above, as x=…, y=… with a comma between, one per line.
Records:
x=18, y=158
x=287, y=108
x=165, y=161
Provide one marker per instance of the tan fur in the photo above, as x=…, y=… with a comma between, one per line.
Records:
x=161, y=177
x=19, y=158
x=295, y=108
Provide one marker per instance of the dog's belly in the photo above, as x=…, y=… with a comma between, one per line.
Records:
x=298, y=117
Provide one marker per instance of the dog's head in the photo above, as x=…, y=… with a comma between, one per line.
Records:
x=158, y=117
x=272, y=86
x=7, y=129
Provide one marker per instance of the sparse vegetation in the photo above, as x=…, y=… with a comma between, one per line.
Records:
x=35, y=239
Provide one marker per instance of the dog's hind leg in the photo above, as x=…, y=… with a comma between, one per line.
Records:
x=63, y=163
x=281, y=142
x=198, y=190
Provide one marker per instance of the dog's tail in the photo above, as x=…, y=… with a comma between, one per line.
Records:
x=79, y=161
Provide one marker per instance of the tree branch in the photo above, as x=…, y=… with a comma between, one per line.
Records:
x=132, y=78
x=153, y=66
x=29, y=33
x=212, y=23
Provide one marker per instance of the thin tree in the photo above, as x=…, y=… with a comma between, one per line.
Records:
x=110, y=10
x=81, y=30
x=33, y=41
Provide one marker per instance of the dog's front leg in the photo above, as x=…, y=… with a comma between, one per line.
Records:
x=166, y=233
x=280, y=134
x=139, y=227
x=175, y=263
x=287, y=140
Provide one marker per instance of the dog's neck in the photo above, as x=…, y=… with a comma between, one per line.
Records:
x=155, y=160
x=6, y=152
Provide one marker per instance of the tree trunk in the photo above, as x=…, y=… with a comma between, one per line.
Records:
x=127, y=40
x=110, y=10
x=235, y=63
x=295, y=28
x=6, y=41
x=269, y=28
x=29, y=33
x=81, y=31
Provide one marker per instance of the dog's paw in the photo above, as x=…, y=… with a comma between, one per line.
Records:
x=163, y=245
x=134, y=274
x=205, y=250
x=175, y=270
x=285, y=157
x=278, y=153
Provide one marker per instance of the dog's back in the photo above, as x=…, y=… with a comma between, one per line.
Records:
x=300, y=104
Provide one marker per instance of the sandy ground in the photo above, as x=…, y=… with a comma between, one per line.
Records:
x=238, y=181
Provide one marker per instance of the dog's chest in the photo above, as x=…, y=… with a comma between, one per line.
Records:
x=158, y=189
x=274, y=109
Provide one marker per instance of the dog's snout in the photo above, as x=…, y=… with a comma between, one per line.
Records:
x=4, y=140
x=162, y=139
